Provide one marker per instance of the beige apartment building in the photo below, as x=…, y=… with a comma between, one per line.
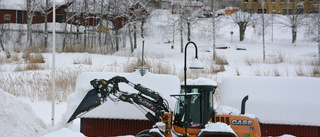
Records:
x=280, y=6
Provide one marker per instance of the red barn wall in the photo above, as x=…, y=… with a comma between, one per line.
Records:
x=296, y=130
x=37, y=18
x=11, y=12
x=93, y=127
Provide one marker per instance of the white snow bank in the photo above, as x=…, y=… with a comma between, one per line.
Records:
x=17, y=118
x=200, y=81
x=225, y=110
x=165, y=85
x=217, y=127
x=276, y=100
x=286, y=135
x=64, y=132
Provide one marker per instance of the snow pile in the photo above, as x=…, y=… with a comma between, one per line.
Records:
x=165, y=85
x=217, y=127
x=275, y=100
x=286, y=135
x=200, y=81
x=64, y=132
x=17, y=118
x=225, y=110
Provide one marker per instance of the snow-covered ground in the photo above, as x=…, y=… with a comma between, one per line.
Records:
x=28, y=117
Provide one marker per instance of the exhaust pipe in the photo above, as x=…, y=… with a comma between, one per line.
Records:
x=243, y=104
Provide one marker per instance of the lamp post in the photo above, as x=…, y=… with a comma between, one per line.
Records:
x=53, y=61
x=273, y=11
x=196, y=66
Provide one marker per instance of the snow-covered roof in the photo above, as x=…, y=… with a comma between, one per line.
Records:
x=275, y=100
x=200, y=81
x=22, y=4
x=165, y=85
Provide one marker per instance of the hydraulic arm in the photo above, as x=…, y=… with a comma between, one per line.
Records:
x=104, y=89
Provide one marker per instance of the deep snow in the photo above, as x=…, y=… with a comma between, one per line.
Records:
x=275, y=100
x=35, y=120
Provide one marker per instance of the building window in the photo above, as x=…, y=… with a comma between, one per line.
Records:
x=19, y=16
x=282, y=1
x=292, y=1
x=273, y=1
x=59, y=18
x=7, y=17
x=287, y=11
x=245, y=1
x=255, y=1
x=310, y=0
x=260, y=11
x=249, y=10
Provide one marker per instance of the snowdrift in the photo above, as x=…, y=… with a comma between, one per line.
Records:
x=17, y=118
x=275, y=100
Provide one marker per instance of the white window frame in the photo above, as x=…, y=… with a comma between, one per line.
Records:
x=7, y=16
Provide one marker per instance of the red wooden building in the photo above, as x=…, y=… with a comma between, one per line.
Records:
x=106, y=127
x=18, y=14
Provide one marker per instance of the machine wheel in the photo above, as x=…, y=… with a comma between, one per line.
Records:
x=144, y=135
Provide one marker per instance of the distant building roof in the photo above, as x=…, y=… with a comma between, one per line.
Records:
x=22, y=4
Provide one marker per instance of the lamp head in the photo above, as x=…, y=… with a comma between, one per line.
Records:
x=196, y=66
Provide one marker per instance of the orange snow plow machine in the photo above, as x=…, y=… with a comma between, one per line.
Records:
x=194, y=114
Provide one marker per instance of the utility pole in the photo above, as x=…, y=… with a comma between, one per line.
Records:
x=318, y=19
x=53, y=60
x=213, y=30
x=263, y=27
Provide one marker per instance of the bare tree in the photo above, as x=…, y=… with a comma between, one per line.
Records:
x=107, y=23
x=242, y=19
x=102, y=5
x=293, y=19
x=312, y=23
x=66, y=27
x=85, y=15
x=138, y=14
x=116, y=14
x=189, y=16
x=3, y=29
x=181, y=26
x=31, y=4
x=45, y=11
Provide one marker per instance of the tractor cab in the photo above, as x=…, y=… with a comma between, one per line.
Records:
x=199, y=107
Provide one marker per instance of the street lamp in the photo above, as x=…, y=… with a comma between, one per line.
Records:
x=195, y=65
